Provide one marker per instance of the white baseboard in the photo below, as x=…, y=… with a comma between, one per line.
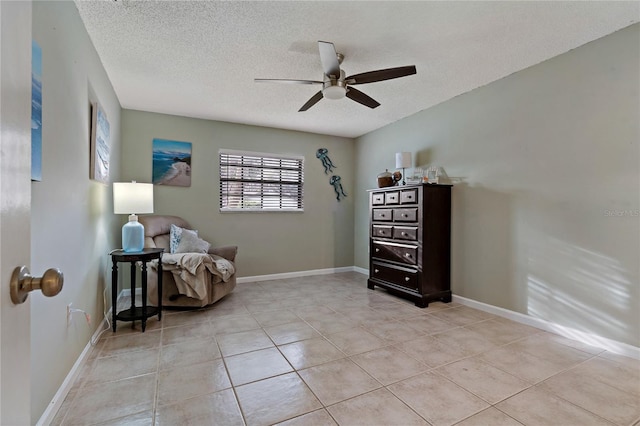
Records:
x=127, y=292
x=55, y=404
x=53, y=407
x=361, y=270
x=296, y=274
x=568, y=332
x=581, y=336
x=587, y=338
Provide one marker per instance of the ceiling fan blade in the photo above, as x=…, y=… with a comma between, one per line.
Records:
x=329, y=58
x=381, y=75
x=358, y=96
x=284, y=80
x=311, y=102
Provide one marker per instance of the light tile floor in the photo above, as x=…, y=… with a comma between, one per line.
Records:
x=325, y=350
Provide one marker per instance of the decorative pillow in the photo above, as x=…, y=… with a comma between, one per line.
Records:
x=174, y=237
x=190, y=243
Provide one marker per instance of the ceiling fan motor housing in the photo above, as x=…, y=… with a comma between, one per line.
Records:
x=334, y=88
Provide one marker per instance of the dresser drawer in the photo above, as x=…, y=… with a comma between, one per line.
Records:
x=394, y=252
x=392, y=197
x=405, y=233
x=383, y=214
x=398, y=276
x=382, y=231
x=405, y=215
x=377, y=198
x=409, y=196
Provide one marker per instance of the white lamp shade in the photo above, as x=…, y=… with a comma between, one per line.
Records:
x=403, y=160
x=132, y=197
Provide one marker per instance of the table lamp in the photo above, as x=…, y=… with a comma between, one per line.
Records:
x=131, y=198
x=403, y=160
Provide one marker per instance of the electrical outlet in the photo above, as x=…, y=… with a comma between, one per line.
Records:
x=69, y=317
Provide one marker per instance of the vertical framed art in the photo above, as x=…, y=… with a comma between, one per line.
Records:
x=36, y=112
x=100, y=144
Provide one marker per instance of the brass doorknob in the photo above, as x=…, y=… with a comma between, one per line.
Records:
x=22, y=283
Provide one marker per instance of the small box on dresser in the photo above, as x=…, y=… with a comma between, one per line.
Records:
x=410, y=241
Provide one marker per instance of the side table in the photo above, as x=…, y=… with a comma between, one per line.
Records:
x=136, y=313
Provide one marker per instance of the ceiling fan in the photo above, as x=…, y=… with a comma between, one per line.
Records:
x=336, y=86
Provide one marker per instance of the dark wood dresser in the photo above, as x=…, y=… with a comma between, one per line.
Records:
x=410, y=241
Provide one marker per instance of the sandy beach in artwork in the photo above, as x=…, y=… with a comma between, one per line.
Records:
x=178, y=175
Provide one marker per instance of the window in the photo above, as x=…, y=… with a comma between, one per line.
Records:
x=254, y=181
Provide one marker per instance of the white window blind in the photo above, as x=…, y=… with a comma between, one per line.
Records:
x=254, y=181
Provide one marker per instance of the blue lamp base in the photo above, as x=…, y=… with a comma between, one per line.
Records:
x=132, y=235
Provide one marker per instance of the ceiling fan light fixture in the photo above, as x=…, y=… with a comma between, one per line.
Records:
x=336, y=85
x=334, y=92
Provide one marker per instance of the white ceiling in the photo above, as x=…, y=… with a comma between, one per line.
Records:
x=199, y=59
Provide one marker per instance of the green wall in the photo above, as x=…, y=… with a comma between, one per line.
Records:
x=545, y=214
x=268, y=243
x=72, y=222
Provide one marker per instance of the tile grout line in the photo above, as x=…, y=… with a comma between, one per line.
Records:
x=400, y=319
x=154, y=407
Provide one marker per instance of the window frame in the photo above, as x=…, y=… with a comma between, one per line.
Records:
x=247, y=162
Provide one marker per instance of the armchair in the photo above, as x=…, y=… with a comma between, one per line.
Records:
x=157, y=230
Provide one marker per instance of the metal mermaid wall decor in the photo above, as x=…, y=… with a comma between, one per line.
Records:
x=322, y=155
x=337, y=186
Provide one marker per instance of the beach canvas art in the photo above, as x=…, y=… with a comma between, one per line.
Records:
x=100, y=144
x=36, y=112
x=171, y=162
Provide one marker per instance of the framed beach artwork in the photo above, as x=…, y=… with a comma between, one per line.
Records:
x=36, y=112
x=100, y=144
x=171, y=162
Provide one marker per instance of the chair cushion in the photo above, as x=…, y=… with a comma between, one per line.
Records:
x=158, y=225
x=162, y=241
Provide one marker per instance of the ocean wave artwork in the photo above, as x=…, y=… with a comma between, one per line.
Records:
x=171, y=162
x=102, y=147
x=100, y=144
x=36, y=112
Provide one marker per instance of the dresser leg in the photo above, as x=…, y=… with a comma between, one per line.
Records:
x=421, y=303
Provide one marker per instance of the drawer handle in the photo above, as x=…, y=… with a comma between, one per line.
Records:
x=409, y=197
x=375, y=271
x=381, y=214
x=381, y=232
x=377, y=249
x=407, y=279
x=404, y=234
x=408, y=254
x=404, y=215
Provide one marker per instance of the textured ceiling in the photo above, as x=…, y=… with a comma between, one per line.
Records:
x=199, y=59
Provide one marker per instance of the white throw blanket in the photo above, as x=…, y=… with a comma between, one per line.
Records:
x=189, y=271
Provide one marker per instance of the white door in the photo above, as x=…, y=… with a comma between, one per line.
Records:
x=15, y=208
